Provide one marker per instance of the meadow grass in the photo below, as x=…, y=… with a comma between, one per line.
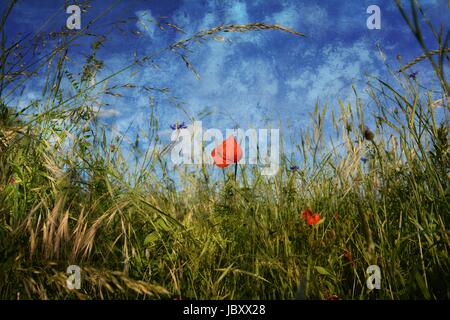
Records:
x=68, y=195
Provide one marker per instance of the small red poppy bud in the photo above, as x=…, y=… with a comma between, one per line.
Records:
x=368, y=135
x=348, y=257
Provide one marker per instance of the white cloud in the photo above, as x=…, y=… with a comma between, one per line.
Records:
x=107, y=113
x=146, y=22
x=310, y=19
x=339, y=68
x=287, y=17
x=237, y=13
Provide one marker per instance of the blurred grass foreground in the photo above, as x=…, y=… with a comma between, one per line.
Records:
x=69, y=196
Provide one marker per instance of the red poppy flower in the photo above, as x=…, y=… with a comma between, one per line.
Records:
x=311, y=218
x=227, y=153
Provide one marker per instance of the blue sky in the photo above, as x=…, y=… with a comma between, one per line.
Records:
x=249, y=80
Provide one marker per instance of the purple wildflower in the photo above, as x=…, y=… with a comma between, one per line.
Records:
x=177, y=126
x=413, y=75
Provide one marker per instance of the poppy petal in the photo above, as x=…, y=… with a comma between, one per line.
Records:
x=218, y=161
x=227, y=153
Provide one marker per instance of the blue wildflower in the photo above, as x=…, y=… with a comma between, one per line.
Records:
x=413, y=75
x=177, y=126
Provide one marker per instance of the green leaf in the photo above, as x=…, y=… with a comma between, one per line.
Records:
x=163, y=225
x=323, y=271
x=152, y=237
x=422, y=285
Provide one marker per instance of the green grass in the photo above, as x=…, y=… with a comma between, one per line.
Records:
x=68, y=196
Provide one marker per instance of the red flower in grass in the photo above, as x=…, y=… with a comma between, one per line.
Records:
x=311, y=218
x=348, y=258
x=12, y=181
x=227, y=153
